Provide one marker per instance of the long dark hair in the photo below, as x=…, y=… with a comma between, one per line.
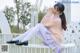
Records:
x=60, y=8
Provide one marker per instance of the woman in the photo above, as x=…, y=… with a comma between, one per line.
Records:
x=50, y=29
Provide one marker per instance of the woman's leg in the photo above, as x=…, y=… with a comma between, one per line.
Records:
x=21, y=36
x=51, y=43
x=34, y=31
x=46, y=35
x=28, y=34
x=39, y=29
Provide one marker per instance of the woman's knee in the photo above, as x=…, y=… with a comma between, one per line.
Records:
x=39, y=25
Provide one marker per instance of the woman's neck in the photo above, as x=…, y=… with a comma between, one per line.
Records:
x=56, y=15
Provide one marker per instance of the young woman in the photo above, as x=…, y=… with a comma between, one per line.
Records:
x=50, y=29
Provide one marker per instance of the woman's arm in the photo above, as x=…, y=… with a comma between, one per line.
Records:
x=46, y=21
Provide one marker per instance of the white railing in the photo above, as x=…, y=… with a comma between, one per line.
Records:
x=6, y=37
x=31, y=48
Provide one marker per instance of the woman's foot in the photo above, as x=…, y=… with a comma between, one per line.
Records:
x=12, y=42
x=22, y=43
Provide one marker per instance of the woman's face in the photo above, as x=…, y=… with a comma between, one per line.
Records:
x=55, y=10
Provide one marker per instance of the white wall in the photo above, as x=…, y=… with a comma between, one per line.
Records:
x=75, y=12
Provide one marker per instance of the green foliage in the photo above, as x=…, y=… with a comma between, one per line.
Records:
x=25, y=14
x=24, y=20
x=22, y=11
x=0, y=30
x=9, y=13
x=14, y=29
x=40, y=16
